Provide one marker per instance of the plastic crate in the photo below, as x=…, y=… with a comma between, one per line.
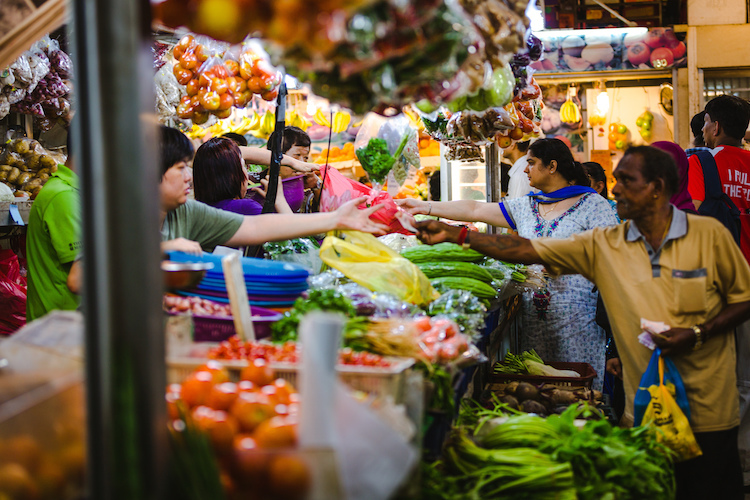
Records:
x=382, y=381
x=220, y=328
x=585, y=380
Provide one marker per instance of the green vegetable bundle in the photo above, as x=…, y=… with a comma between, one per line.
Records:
x=606, y=462
x=319, y=300
x=376, y=160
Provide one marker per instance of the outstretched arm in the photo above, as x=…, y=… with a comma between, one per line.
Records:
x=258, y=229
x=263, y=157
x=509, y=248
x=464, y=210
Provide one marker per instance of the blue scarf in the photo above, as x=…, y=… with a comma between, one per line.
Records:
x=561, y=194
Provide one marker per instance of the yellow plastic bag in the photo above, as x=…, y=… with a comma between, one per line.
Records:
x=362, y=258
x=667, y=416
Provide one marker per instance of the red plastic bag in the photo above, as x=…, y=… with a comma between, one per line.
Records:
x=338, y=189
x=12, y=293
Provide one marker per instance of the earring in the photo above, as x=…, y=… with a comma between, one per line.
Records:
x=656, y=196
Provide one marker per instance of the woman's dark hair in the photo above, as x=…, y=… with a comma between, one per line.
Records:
x=237, y=138
x=293, y=136
x=218, y=173
x=596, y=173
x=657, y=164
x=696, y=125
x=175, y=147
x=555, y=149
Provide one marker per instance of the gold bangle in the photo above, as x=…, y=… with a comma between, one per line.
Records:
x=700, y=336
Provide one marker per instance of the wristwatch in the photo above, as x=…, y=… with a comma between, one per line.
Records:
x=700, y=336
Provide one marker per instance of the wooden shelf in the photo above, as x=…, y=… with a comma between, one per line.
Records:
x=22, y=23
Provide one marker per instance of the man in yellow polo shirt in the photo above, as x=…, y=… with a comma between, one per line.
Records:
x=663, y=265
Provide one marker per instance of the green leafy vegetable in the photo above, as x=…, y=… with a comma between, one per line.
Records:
x=319, y=300
x=376, y=160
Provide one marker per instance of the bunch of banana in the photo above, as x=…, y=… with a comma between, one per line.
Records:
x=414, y=118
x=247, y=124
x=569, y=112
x=341, y=121
x=295, y=119
x=266, y=125
x=321, y=118
x=196, y=132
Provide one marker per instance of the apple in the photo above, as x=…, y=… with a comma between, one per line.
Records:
x=638, y=54
x=655, y=38
x=661, y=58
x=678, y=49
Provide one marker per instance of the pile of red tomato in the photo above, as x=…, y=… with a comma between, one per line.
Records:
x=234, y=348
x=216, y=82
x=252, y=427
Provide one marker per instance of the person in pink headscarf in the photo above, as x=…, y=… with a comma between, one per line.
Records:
x=681, y=199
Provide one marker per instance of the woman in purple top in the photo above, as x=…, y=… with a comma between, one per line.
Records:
x=220, y=179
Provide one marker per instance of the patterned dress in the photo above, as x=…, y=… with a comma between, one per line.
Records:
x=564, y=329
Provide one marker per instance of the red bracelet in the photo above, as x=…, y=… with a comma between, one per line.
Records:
x=462, y=235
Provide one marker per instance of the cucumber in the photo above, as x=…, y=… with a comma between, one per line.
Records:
x=442, y=252
x=481, y=290
x=455, y=269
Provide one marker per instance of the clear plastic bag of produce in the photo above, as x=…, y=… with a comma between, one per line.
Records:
x=301, y=251
x=362, y=258
x=463, y=307
x=385, y=145
x=22, y=71
x=168, y=91
x=7, y=77
x=398, y=242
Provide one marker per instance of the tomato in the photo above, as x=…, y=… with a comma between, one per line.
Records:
x=189, y=60
x=263, y=68
x=222, y=113
x=258, y=372
x=254, y=85
x=201, y=53
x=246, y=69
x=267, y=84
x=219, y=85
x=185, y=42
x=197, y=386
x=183, y=75
x=233, y=67
x=516, y=134
x=204, y=80
x=273, y=395
x=218, y=372
x=210, y=100
x=192, y=87
x=222, y=431
x=178, y=52
x=289, y=477
x=251, y=409
x=222, y=396
x=220, y=71
x=277, y=433
x=250, y=462
x=270, y=95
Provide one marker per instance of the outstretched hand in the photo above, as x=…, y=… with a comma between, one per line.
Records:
x=302, y=166
x=432, y=232
x=181, y=245
x=349, y=216
x=413, y=206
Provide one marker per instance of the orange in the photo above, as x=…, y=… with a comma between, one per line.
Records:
x=250, y=462
x=16, y=482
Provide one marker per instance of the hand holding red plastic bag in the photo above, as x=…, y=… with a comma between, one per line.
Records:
x=12, y=293
x=338, y=189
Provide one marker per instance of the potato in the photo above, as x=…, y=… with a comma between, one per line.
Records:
x=31, y=184
x=46, y=161
x=20, y=146
x=43, y=171
x=42, y=177
x=53, y=169
x=23, y=178
x=4, y=175
x=32, y=161
x=13, y=174
x=35, y=191
x=5, y=168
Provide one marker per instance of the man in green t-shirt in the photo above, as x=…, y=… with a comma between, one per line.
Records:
x=191, y=226
x=53, y=241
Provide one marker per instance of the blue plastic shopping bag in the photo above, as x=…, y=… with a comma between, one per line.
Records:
x=662, y=401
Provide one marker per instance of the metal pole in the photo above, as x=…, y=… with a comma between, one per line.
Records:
x=115, y=151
